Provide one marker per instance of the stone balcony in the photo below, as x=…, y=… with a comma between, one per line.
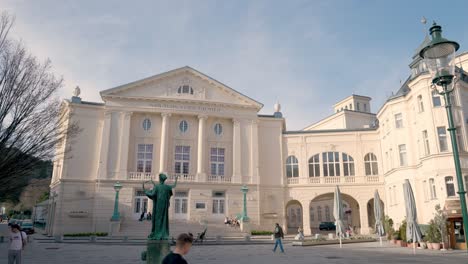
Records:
x=147, y=176
x=341, y=180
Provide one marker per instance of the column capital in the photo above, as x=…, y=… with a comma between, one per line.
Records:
x=236, y=121
x=254, y=121
x=202, y=117
x=108, y=113
x=165, y=114
x=127, y=114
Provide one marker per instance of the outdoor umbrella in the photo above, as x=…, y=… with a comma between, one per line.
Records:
x=379, y=229
x=338, y=214
x=412, y=229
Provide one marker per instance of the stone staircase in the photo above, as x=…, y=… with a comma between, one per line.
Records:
x=137, y=229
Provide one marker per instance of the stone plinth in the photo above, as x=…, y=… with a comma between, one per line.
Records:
x=156, y=250
x=245, y=226
x=114, y=227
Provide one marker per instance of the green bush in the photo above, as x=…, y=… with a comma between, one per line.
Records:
x=403, y=231
x=388, y=227
x=261, y=233
x=99, y=234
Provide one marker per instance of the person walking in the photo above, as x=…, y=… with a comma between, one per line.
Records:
x=183, y=244
x=18, y=240
x=278, y=233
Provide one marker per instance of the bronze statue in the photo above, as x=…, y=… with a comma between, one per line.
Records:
x=161, y=195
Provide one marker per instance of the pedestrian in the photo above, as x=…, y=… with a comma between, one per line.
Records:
x=278, y=233
x=142, y=216
x=183, y=245
x=18, y=240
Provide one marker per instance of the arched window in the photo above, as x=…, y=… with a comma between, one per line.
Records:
x=370, y=162
x=331, y=163
x=420, y=104
x=319, y=213
x=312, y=215
x=185, y=89
x=432, y=188
x=218, y=129
x=292, y=167
x=348, y=165
x=450, y=186
x=146, y=124
x=314, y=166
x=327, y=213
x=183, y=126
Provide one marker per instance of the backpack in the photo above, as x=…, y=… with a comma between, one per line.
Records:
x=23, y=241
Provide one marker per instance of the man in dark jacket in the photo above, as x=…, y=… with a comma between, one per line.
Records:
x=278, y=236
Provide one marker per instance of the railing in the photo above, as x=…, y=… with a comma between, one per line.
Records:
x=140, y=176
x=246, y=179
x=182, y=177
x=334, y=180
x=147, y=176
x=218, y=179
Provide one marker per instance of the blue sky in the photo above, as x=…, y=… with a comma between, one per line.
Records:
x=306, y=54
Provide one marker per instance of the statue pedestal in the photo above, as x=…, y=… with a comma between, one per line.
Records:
x=156, y=250
x=245, y=227
x=114, y=227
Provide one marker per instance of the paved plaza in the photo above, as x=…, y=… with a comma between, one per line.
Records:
x=42, y=253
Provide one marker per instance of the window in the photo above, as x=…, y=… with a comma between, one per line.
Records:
x=292, y=167
x=200, y=205
x=442, y=133
x=370, y=164
x=182, y=159
x=398, y=120
x=312, y=215
x=461, y=146
x=331, y=163
x=218, y=202
x=183, y=126
x=403, y=159
x=217, y=161
x=218, y=129
x=346, y=107
x=427, y=149
x=327, y=213
x=358, y=107
x=395, y=198
x=450, y=186
x=319, y=213
x=420, y=104
x=144, y=157
x=390, y=196
x=432, y=188
x=436, y=99
x=348, y=165
x=350, y=106
x=180, y=200
x=425, y=187
x=365, y=107
x=185, y=89
x=314, y=166
x=146, y=124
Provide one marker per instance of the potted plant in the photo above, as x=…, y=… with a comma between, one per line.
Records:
x=435, y=235
x=440, y=220
x=402, y=232
x=388, y=227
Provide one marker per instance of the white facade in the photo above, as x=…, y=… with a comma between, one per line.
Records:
x=187, y=124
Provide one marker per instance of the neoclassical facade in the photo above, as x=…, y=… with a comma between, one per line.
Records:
x=211, y=137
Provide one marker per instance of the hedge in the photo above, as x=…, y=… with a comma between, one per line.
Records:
x=261, y=233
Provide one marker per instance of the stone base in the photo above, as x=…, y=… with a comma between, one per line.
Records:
x=245, y=227
x=156, y=250
x=114, y=227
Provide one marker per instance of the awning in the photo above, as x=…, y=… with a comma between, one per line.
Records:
x=453, y=208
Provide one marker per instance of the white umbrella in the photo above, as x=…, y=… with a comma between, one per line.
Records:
x=338, y=214
x=379, y=229
x=412, y=229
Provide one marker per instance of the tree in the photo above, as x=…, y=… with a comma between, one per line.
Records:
x=32, y=120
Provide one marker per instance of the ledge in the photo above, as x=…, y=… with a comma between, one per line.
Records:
x=307, y=243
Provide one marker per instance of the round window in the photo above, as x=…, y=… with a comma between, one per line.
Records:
x=146, y=124
x=183, y=126
x=218, y=129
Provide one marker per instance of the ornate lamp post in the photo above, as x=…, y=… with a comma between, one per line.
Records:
x=244, y=217
x=116, y=215
x=439, y=56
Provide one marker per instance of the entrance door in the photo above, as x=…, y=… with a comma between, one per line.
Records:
x=140, y=204
x=181, y=205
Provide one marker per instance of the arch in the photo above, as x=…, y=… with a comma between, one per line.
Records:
x=314, y=166
x=292, y=167
x=371, y=165
x=370, y=212
x=348, y=164
x=351, y=211
x=293, y=216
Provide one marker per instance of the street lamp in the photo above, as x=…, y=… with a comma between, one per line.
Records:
x=439, y=56
x=116, y=215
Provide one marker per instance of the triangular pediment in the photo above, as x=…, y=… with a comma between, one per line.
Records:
x=182, y=84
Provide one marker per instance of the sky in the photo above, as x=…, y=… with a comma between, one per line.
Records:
x=308, y=55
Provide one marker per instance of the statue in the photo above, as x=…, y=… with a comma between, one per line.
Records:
x=77, y=91
x=160, y=194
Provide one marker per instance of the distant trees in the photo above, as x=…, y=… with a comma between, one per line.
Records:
x=32, y=120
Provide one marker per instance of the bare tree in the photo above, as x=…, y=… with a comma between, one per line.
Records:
x=32, y=119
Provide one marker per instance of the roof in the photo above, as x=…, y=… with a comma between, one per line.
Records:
x=185, y=68
x=328, y=131
x=351, y=96
x=403, y=91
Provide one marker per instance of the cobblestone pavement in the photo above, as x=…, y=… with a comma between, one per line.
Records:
x=41, y=253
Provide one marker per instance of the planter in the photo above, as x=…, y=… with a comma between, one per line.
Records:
x=401, y=243
x=445, y=245
x=393, y=241
x=436, y=246
x=429, y=245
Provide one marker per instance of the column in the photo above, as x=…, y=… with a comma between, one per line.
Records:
x=124, y=142
x=104, y=151
x=306, y=217
x=254, y=152
x=164, y=138
x=363, y=218
x=236, y=151
x=201, y=171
